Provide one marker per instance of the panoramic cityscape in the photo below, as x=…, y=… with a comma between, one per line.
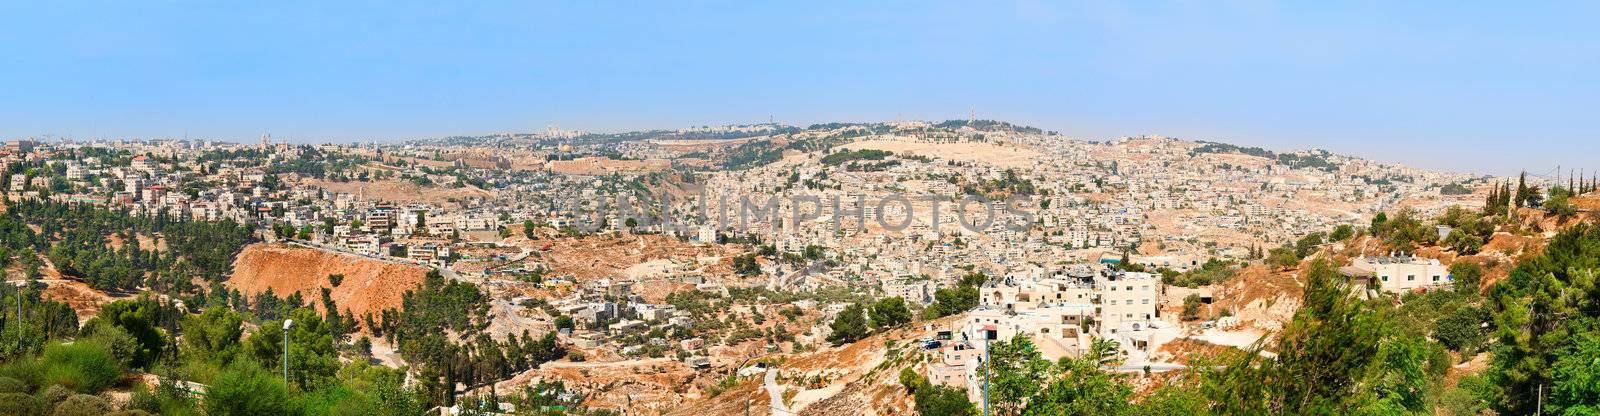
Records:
x=299, y=210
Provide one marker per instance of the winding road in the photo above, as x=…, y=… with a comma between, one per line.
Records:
x=776, y=393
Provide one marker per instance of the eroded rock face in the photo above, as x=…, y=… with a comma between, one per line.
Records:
x=369, y=285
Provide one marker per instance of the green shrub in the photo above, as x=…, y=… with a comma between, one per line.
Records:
x=84, y=366
x=82, y=405
x=19, y=404
x=56, y=393
x=26, y=369
x=118, y=341
x=11, y=385
x=247, y=390
x=142, y=399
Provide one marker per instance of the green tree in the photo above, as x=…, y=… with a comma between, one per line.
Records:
x=1466, y=276
x=1306, y=245
x=961, y=298
x=1463, y=242
x=1336, y=356
x=1576, y=376
x=1174, y=400
x=934, y=400
x=1283, y=258
x=1543, y=311
x=1462, y=330
x=850, y=326
x=890, y=312
x=1560, y=206
x=1015, y=372
x=1191, y=308
x=213, y=335
x=312, y=358
x=1342, y=232
x=139, y=318
x=1081, y=389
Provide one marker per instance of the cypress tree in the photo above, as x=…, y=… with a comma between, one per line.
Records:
x=1522, y=189
x=1506, y=196
x=1490, y=201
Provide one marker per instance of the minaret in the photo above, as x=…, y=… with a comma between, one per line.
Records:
x=266, y=140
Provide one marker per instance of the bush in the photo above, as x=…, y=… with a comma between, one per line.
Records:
x=11, y=385
x=142, y=399
x=55, y=394
x=1466, y=276
x=84, y=366
x=246, y=390
x=138, y=318
x=1463, y=330
x=27, y=370
x=118, y=341
x=911, y=380
x=19, y=404
x=1191, y=308
x=82, y=405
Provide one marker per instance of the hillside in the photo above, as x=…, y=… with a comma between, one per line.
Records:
x=369, y=286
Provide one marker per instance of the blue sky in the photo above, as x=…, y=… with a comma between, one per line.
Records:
x=1456, y=85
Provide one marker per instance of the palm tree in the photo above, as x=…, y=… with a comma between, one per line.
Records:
x=1103, y=353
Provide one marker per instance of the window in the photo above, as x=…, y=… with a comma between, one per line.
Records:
x=1411, y=277
x=1435, y=278
x=1146, y=301
x=1385, y=278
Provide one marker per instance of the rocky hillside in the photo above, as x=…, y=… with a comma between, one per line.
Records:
x=369, y=285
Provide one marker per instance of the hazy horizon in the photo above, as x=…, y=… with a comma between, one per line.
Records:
x=1466, y=88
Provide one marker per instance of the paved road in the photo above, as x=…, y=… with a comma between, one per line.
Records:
x=1154, y=367
x=776, y=393
x=593, y=364
x=445, y=271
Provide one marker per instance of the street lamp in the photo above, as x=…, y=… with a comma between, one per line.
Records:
x=286, y=324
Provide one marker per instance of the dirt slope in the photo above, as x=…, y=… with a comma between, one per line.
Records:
x=368, y=286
